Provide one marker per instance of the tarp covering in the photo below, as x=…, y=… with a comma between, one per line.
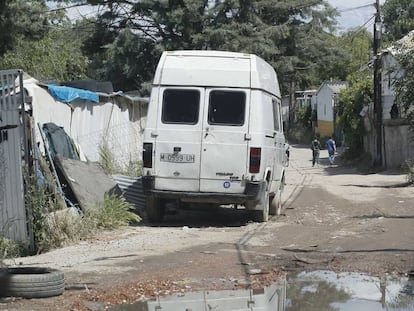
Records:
x=68, y=94
x=59, y=141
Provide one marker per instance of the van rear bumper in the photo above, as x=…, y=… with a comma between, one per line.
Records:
x=251, y=193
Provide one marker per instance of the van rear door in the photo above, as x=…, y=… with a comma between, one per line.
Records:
x=178, y=139
x=224, y=149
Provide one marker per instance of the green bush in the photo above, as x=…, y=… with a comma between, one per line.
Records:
x=115, y=212
x=409, y=168
x=358, y=94
x=300, y=135
x=55, y=226
x=11, y=249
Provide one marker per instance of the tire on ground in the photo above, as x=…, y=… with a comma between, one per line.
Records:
x=31, y=282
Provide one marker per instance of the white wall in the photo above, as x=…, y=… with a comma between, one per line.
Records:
x=325, y=104
x=398, y=147
x=115, y=122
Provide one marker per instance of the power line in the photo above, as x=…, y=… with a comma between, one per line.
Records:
x=365, y=24
x=357, y=7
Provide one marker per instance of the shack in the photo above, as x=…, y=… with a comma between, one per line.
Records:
x=100, y=122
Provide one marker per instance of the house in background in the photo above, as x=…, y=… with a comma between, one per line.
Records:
x=306, y=98
x=326, y=98
x=397, y=143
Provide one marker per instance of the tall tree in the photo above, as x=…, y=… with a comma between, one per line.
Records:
x=289, y=34
x=398, y=18
x=359, y=93
x=355, y=48
x=21, y=19
x=56, y=57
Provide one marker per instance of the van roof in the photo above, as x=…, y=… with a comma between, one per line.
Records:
x=208, y=68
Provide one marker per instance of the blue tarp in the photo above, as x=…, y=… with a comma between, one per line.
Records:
x=67, y=94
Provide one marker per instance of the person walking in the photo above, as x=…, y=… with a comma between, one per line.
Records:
x=316, y=148
x=330, y=144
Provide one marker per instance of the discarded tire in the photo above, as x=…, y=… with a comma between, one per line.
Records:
x=31, y=282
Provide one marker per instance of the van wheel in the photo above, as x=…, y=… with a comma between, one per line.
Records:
x=155, y=209
x=276, y=203
x=261, y=214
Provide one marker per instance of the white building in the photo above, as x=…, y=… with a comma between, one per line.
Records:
x=325, y=102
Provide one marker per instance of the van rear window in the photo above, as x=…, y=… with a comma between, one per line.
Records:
x=180, y=106
x=226, y=108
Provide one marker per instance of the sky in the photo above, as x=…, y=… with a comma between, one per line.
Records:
x=351, y=13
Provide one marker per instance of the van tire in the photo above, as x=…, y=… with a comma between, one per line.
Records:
x=155, y=209
x=261, y=213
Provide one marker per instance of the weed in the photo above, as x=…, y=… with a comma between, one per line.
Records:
x=409, y=168
x=107, y=159
x=111, y=167
x=114, y=213
x=10, y=249
x=55, y=227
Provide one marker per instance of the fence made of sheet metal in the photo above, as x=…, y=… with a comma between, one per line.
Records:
x=13, y=160
x=132, y=188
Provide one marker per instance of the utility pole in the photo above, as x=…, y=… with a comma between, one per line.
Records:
x=377, y=83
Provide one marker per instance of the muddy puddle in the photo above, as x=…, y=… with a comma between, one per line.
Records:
x=310, y=291
x=326, y=290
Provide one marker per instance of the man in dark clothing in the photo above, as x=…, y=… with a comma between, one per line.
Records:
x=316, y=148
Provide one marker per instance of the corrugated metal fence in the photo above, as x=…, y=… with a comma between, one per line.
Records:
x=132, y=187
x=13, y=219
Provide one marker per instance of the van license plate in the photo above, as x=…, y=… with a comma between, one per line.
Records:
x=177, y=158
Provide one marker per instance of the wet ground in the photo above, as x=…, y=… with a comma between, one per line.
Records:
x=348, y=291
x=336, y=219
x=313, y=290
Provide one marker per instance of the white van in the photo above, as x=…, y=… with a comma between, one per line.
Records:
x=214, y=133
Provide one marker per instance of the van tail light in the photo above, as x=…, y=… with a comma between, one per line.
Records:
x=147, y=155
x=255, y=156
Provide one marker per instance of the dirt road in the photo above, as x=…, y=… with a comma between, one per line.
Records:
x=335, y=218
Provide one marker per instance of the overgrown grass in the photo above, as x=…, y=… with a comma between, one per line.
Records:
x=115, y=212
x=409, y=168
x=107, y=159
x=10, y=249
x=55, y=227
x=111, y=167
